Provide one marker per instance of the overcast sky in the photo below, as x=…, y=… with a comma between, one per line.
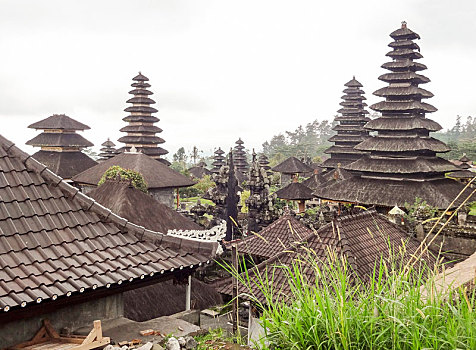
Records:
x=219, y=69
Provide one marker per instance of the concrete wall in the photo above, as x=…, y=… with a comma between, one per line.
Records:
x=165, y=196
x=71, y=317
x=457, y=242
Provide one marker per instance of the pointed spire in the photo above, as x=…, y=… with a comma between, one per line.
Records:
x=107, y=150
x=350, y=127
x=141, y=131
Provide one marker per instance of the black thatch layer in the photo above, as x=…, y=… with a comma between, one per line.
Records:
x=140, y=131
x=65, y=164
x=59, y=122
x=388, y=193
x=59, y=140
x=295, y=191
x=156, y=174
x=402, y=123
x=140, y=208
x=314, y=181
x=240, y=161
x=463, y=174
x=402, y=164
x=350, y=130
x=218, y=161
x=199, y=172
x=292, y=165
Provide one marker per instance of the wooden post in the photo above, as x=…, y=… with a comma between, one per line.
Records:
x=178, y=197
x=234, y=260
x=188, y=293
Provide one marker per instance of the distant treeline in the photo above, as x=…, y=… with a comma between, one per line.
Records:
x=461, y=138
x=311, y=140
x=306, y=141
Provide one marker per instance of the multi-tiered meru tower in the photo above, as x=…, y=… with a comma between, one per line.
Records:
x=141, y=131
x=350, y=128
x=401, y=162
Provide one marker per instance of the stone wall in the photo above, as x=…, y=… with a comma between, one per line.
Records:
x=165, y=196
x=70, y=317
x=457, y=242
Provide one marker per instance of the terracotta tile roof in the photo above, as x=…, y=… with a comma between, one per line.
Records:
x=281, y=234
x=156, y=174
x=363, y=238
x=55, y=241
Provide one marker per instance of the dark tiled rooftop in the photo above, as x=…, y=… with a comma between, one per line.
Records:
x=55, y=241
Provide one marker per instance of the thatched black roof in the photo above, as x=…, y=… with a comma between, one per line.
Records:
x=463, y=174
x=140, y=133
x=292, y=165
x=65, y=164
x=199, y=172
x=350, y=130
x=295, y=191
x=239, y=158
x=314, y=181
x=401, y=162
x=218, y=161
x=59, y=122
x=156, y=174
x=438, y=193
x=59, y=140
x=140, y=208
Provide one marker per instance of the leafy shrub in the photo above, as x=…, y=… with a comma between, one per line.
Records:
x=136, y=178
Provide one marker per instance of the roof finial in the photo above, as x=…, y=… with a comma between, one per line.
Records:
x=404, y=24
x=353, y=77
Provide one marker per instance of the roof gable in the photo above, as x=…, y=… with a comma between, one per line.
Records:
x=56, y=242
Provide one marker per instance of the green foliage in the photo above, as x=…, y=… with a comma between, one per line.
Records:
x=199, y=189
x=460, y=138
x=244, y=196
x=472, y=208
x=309, y=140
x=419, y=210
x=340, y=311
x=136, y=178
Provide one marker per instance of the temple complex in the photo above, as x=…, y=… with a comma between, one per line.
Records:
x=218, y=161
x=61, y=146
x=401, y=163
x=350, y=128
x=107, y=150
x=141, y=131
x=241, y=163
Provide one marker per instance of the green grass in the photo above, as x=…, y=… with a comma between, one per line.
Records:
x=193, y=200
x=339, y=311
x=472, y=208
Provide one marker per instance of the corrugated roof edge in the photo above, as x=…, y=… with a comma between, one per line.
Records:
x=205, y=248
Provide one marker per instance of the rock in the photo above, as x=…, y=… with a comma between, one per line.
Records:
x=190, y=343
x=181, y=341
x=172, y=344
x=157, y=347
x=125, y=347
x=146, y=346
x=109, y=347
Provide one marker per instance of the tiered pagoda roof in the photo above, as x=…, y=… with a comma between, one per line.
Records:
x=218, y=161
x=239, y=156
x=401, y=163
x=61, y=146
x=350, y=128
x=264, y=162
x=141, y=131
x=108, y=150
x=464, y=163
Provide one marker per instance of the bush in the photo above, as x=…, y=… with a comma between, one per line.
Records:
x=136, y=178
x=199, y=189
